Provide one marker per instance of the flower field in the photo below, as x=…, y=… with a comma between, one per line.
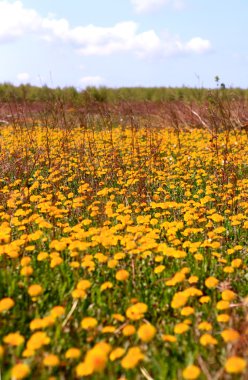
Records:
x=123, y=253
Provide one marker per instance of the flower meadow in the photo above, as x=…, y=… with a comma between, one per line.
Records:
x=123, y=253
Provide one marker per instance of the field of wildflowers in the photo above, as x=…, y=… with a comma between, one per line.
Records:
x=123, y=253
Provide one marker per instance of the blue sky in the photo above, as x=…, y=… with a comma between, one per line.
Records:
x=124, y=42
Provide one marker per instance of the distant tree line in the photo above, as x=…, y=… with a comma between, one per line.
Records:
x=71, y=95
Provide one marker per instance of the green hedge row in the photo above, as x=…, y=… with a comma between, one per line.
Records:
x=9, y=92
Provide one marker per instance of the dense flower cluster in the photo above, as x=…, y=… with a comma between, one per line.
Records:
x=123, y=251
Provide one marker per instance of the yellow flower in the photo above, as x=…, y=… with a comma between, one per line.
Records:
x=159, y=269
x=119, y=317
x=51, y=360
x=119, y=256
x=186, y=311
x=128, y=330
x=83, y=284
x=198, y=257
x=222, y=305
x=36, y=324
x=14, y=339
x=191, y=292
x=228, y=295
x=122, y=275
x=96, y=358
x=235, y=364
x=112, y=263
x=223, y=318
x=106, y=285
x=146, y=332
x=132, y=358
x=57, y=311
x=169, y=338
x=181, y=328
x=136, y=312
x=72, y=353
x=216, y=217
x=108, y=329
x=211, y=282
x=193, y=279
x=236, y=263
x=56, y=261
x=230, y=335
x=205, y=326
x=207, y=339
x=42, y=256
x=74, y=264
x=88, y=323
x=37, y=340
x=116, y=353
x=176, y=279
x=20, y=371
x=204, y=299
x=25, y=261
x=35, y=290
x=6, y=304
x=179, y=299
x=191, y=372
x=84, y=369
x=78, y=293
x=28, y=353
x=27, y=271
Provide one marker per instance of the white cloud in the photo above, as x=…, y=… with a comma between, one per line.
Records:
x=120, y=38
x=17, y=21
x=23, y=77
x=198, y=45
x=91, y=81
x=141, y=6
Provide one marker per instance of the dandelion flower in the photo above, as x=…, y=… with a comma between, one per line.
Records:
x=230, y=335
x=235, y=364
x=51, y=360
x=191, y=372
x=211, y=282
x=181, y=328
x=146, y=332
x=205, y=326
x=132, y=358
x=137, y=311
x=116, y=353
x=223, y=318
x=6, y=304
x=84, y=369
x=14, y=339
x=128, y=330
x=222, y=305
x=88, y=323
x=20, y=371
x=106, y=285
x=35, y=290
x=72, y=353
x=208, y=340
x=122, y=275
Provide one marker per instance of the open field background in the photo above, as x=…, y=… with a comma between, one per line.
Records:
x=123, y=238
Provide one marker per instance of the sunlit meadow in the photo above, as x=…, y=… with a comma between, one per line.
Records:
x=123, y=253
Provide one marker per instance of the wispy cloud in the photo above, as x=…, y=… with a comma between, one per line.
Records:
x=91, y=81
x=141, y=6
x=17, y=21
x=23, y=77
